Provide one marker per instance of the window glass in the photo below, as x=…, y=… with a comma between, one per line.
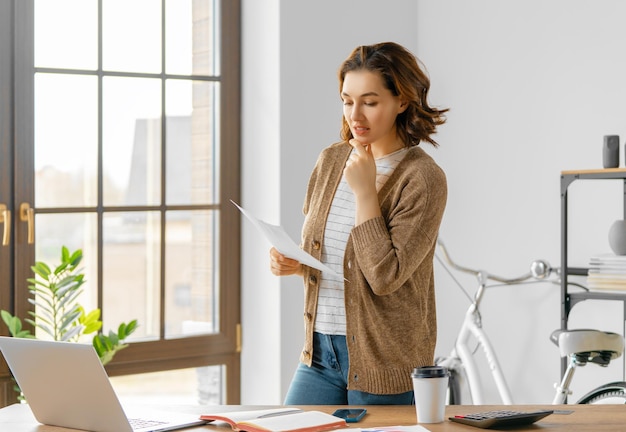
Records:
x=66, y=140
x=192, y=160
x=75, y=231
x=191, y=37
x=191, y=273
x=57, y=24
x=127, y=153
x=131, y=271
x=131, y=141
x=131, y=35
x=192, y=386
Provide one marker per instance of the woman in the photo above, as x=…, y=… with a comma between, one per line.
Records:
x=373, y=207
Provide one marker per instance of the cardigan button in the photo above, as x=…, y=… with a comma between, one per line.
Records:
x=312, y=280
x=306, y=354
x=315, y=244
x=308, y=316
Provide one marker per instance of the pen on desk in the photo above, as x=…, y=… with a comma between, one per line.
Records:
x=279, y=413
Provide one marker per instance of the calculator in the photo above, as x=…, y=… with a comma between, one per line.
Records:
x=500, y=418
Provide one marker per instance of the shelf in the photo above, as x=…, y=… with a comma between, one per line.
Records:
x=595, y=172
x=567, y=177
x=576, y=297
x=569, y=299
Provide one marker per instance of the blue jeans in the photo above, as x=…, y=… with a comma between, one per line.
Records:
x=326, y=381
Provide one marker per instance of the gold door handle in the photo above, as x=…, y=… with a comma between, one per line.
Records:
x=5, y=217
x=27, y=214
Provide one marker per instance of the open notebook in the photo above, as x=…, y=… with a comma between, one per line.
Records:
x=66, y=385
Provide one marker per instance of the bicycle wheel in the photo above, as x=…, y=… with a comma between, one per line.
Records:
x=612, y=393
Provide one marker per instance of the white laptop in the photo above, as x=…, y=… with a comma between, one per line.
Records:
x=66, y=385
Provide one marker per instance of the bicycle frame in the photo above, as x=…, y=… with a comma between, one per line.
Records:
x=461, y=356
x=602, y=346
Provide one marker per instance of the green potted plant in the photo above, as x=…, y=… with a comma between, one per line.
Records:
x=57, y=312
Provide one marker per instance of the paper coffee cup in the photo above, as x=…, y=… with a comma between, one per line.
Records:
x=430, y=384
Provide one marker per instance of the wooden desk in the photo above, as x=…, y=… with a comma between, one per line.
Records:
x=18, y=418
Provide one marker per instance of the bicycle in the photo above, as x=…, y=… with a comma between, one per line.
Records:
x=579, y=346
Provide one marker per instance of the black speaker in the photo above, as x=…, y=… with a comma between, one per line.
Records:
x=610, y=151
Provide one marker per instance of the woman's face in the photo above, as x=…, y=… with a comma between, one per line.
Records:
x=370, y=108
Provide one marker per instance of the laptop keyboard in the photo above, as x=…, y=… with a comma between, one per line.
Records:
x=137, y=423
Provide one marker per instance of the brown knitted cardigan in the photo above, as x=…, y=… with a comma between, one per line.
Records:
x=391, y=324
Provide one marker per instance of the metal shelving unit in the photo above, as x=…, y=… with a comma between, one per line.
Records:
x=568, y=300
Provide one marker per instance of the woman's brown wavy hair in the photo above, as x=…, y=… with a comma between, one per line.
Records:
x=402, y=75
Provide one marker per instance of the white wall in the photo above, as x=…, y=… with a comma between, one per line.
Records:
x=291, y=111
x=260, y=301
x=533, y=85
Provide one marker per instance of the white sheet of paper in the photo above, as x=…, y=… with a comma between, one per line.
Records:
x=416, y=428
x=277, y=236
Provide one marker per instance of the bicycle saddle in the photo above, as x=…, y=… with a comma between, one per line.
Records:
x=589, y=345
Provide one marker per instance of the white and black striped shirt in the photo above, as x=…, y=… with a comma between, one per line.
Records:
x=331, y=313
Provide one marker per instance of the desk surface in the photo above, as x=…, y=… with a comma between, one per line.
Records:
x=18, y=418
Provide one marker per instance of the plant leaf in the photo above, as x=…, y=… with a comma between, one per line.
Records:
x=6, y=316
x=74, y=331
x=91, y=321
x=46, y=329
x=68, y=319
x=57, y=313
x=70, y=298
x=91, y=317
x=97, y=344
x=65, y=254
x=43, y=307
x=125, y=330
x=65, y=285
x=60, y=268
x=42, y=270
x=39, y=319
x=113, y=338
x=92, y=327
x=13, y=323
x=34, y=281
x=76, y=258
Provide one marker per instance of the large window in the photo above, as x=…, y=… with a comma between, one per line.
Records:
x=133, y=158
